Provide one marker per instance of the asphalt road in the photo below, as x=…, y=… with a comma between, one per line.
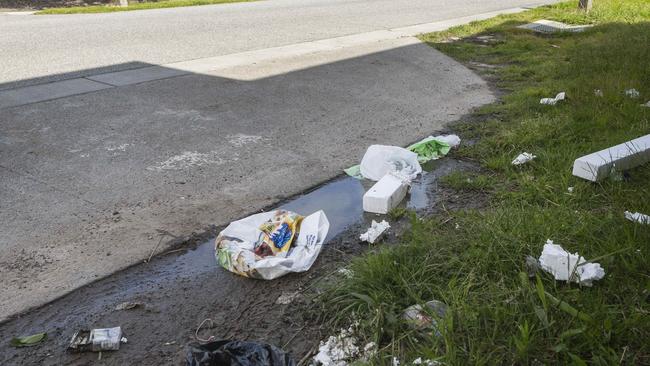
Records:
x=45, y=46
x=88, y=182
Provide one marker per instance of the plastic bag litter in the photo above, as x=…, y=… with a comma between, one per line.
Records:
x=452, y=140
x=637, y=217
x=553, y=101
x=380, y=160
x=96, y=340
x=236, y=353
x=434, y=147
x=565, y=266
x=523, y=158
x=375, y=230
x=419, y=318
x=271, y=244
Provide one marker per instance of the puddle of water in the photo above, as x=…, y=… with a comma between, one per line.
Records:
x=342, y=202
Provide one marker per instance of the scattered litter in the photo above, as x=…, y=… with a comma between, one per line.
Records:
x=553, y=101
x=420, y=319
x=452, y=140
x=342, y=349
x=601, y=164
x=271, y=244
x=287, y=298
x=565, y=266
x=347, y=273
x=354, y=171
x=647, y=105
x=395, y=361
x=236, y=353
x=426, y=362
x=570, y=189
x=28, y=341
x=550, y=26
x=434, y=147
x=375, y=231
x=523, y=158
x=637, y=217
x=598, y=93
x=380, y=160
x=97, y=340
x=632, y=93
x=198, y=329
x=385, y=194
x=169, y=343
x=128, y=305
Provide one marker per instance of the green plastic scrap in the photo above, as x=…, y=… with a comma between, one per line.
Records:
x=429, y=149
x=27, y=341
x=354, y=171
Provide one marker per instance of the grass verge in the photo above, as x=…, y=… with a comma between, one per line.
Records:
x=136, y=6
x=474, y=260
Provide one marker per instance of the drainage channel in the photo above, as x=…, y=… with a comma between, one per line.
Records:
x=179, y=290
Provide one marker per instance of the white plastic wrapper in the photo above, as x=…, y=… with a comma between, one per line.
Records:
x=565, y=266
x=553, y=101
x=452, y=140
x=523, y=158
x=637, y=217
x=380, y=160
x=236, y=244
x=375, y=230
x=632, y=93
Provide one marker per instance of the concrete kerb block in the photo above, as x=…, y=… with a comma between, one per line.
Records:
x=597, y=166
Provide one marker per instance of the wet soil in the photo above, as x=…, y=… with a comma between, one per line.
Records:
x=182, y=288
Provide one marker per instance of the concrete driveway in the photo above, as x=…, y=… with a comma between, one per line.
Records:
x=90, y=179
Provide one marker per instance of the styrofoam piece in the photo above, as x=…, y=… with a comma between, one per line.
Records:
x=599, y=165
x=565, y=266
x=523, y=158
x=550, y=26
x=375, y=230
x=637, y=217
x=385, y=195
x=553, y=101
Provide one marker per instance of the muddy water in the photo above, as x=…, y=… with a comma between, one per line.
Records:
x=180, y=290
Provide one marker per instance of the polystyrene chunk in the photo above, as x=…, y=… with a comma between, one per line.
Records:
x=599, y=165
x=385, y=195
x=565, y=266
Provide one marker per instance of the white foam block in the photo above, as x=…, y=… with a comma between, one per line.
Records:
x=597, y=166
x=385, y=195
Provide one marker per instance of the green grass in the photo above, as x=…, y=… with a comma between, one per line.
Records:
x=136, y=6
x=473, y=259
